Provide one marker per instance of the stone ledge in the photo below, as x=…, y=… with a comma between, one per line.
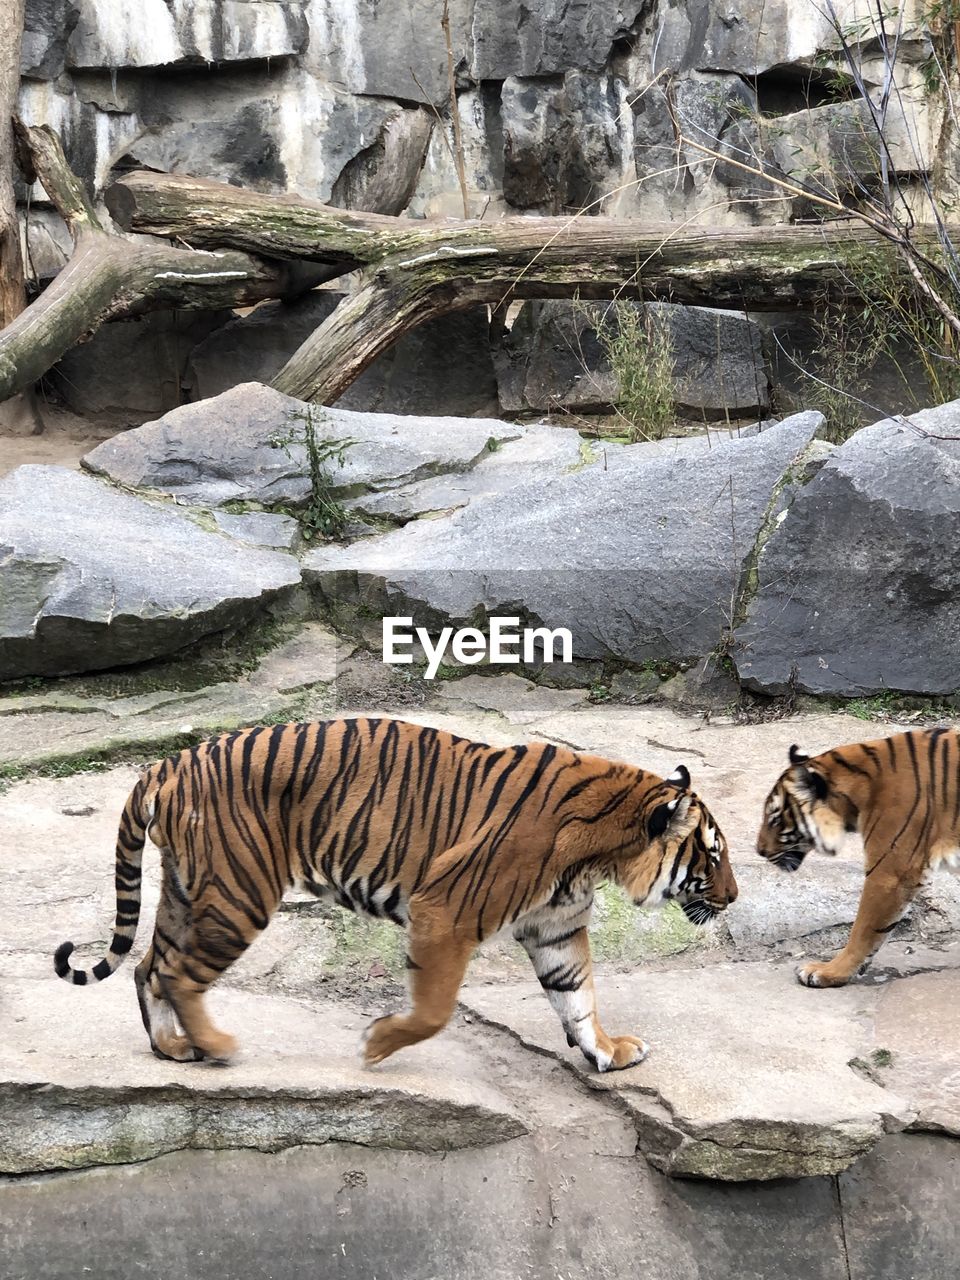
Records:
x=79, y=1086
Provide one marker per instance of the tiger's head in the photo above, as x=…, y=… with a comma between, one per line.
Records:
x=801, y=813
x=695, y=869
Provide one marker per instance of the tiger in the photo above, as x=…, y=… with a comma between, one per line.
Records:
x=452, y=839
x=902, y=795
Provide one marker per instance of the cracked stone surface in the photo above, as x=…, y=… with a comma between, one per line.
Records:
x=107, y=578
x=858, y=587
x=725, y=1094
x=656, y=580
x=247, y=443
x=81, y=1088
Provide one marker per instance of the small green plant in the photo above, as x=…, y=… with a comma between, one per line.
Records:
x=882, y=1058
x=324, y=515
x=637, y=344
x=846, y=344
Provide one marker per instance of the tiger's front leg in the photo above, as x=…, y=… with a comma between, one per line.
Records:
x=882, y=902
x=559, y=948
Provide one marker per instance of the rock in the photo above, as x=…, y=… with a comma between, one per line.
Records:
x=916, y=1030
x=110, y=34
x=859, y=586
x=655, y=583
x=672, y=175
x=541, y=451
x=520, y=700
x=546, y=37
x=259, y=528
x=246, y=444
x=133, y=370
x=412, y=377
x=872, y=1197
x=383, y=177
x=563, y=144
x=778, y=908
x=635, y=686
x=92, y=138
x=438, y=192
x=889, y=381
x=719, y=365
x=798, y=1110
x=298, y=1083
x=48, y=242
x=382, y=48
x=48, y=25
x=244, y=148
x=107, y=579
x=309, y=658
x=706, y=685
x=744, y=40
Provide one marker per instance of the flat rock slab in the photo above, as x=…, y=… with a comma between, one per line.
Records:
x=749, y=1074
x=79, y=1086
x=105, y=578
x=541, y=451
x=859, y=586
x=655, y=577
x=43, y=733
x=248, y=444
x=917, y=1025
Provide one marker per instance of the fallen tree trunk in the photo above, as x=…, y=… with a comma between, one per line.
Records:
x=12, y=295
x=415, y=270
x=409, y=270
x=110, y=276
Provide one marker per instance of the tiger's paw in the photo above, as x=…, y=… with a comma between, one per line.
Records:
x=379, y=1040
x=628, y=1051
x=820, y=975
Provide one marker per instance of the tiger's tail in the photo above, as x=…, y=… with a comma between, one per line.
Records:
x=130, y=841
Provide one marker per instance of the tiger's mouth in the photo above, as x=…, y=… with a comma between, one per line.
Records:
x=788, y=859
x=700, y=912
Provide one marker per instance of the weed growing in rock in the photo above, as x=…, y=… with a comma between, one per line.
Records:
x=637, y=344
x=324, y=515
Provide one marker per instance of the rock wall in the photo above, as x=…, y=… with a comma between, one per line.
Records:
x=562, y=102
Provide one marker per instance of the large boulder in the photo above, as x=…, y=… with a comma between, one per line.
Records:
x=641, y=555
x=132, y=370
x=91, y=577
x=858, y=588
x=248, y=444
x=555, y=359
x=412, y=377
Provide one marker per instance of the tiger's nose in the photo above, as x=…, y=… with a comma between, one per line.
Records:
x=732, y=890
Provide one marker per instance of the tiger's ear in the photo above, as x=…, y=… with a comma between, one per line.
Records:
x=813, y=783
x=680, y=777
x=668, y=818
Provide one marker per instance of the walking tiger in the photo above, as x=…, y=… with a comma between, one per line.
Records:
x=902, y=794
x=453, y=839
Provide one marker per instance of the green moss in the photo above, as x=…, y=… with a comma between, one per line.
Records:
x=227, y=656
x=622, y=931
x=360, y=941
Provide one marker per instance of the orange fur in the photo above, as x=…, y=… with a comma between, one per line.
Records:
x=903, y=796
x=451, y=838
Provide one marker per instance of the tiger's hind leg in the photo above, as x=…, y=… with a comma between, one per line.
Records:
x=195, y=944
x=559, y=949
x=436, y=963
x=174, y=919
x=158, y=1016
